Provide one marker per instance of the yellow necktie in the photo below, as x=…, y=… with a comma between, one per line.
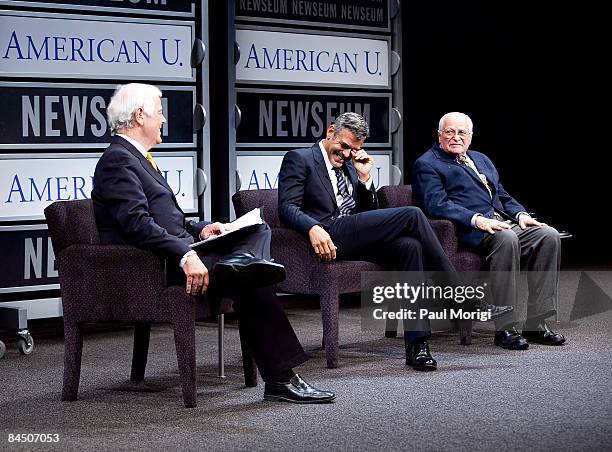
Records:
x=152, y=162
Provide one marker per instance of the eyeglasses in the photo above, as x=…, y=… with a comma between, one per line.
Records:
x=450, y=133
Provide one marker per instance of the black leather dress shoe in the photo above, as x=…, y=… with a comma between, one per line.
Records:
x=296, y=391
x=510, y=339
x=419, y=357
x=246, y=271
x=496, y=311
x=543, y=335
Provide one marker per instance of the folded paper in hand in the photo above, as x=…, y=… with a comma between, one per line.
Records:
x=245, y=223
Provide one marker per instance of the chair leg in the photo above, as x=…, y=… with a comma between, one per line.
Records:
x=221, y=345
x=184, y=340
x=392, y=324
x=391, y=328
x=248, y=362
x=465, y=331
x=73, y=351
x=142, y=334
x=329, y=317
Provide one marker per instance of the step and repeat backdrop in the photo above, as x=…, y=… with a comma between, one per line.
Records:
x=303, y=63
x=299, y=64
x=60, y=62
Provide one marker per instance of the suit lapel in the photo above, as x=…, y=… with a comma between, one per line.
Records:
x=143, y=161
x=439, y=152
x=322, y=170
x=481, y=169
x=472, y=174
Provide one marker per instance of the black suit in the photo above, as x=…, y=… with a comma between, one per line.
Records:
x=134, y=204
x=398, y=238
x=305, y=193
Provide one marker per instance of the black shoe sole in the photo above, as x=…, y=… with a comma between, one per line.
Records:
x=262, y=275
x=250, y=276
x=273, y=398
x=552, y=344
x=511, y=346
x=423, y=368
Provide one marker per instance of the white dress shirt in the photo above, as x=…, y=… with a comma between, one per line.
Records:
x=334, y=179
x=134, y=143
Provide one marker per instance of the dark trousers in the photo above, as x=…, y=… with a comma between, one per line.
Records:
x=263, y=323
x=399, y=239
x=536, y=250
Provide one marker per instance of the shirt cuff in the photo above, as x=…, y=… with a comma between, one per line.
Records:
x=184, y=258
x=473, y=220
x=368, y=184
x=519, y=214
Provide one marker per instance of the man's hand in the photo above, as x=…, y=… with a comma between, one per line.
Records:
x=363, y=164
x=322, y=243
x=215, y=229
x=526, y=221
x=490, y=225
x=197, y=275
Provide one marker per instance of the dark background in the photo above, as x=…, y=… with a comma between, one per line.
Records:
x=531, y=80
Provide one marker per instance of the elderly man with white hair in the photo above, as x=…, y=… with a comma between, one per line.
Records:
x=134, y=204
x=454, y=182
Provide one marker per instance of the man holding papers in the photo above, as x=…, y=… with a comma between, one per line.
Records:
x=134, y=204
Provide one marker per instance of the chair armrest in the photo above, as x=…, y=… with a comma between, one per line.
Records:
x=294, y=251
x=447, y=235
x=91, y=275
x=108, y=259
x=290, y=248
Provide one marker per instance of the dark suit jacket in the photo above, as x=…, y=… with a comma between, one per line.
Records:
x=446, y=189
x=134, y=205
x=305, y=193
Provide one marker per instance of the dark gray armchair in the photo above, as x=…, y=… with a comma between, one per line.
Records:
x=118, y=283
x=306, y=274
x=463, y=260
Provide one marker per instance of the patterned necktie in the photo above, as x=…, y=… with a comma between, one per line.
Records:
x=152, y=162
x=463, y=160
x=348, y=203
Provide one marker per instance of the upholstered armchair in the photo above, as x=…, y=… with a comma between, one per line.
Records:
x=119, y=283
x=306, y=274
x=463, y=260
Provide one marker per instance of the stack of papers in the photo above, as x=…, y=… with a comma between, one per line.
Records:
x=245, y=223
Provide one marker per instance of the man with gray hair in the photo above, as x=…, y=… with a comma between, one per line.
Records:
x=326, y=193
x=454, y=182
x=133, y=204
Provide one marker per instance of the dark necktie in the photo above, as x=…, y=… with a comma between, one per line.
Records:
x=348, y=203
